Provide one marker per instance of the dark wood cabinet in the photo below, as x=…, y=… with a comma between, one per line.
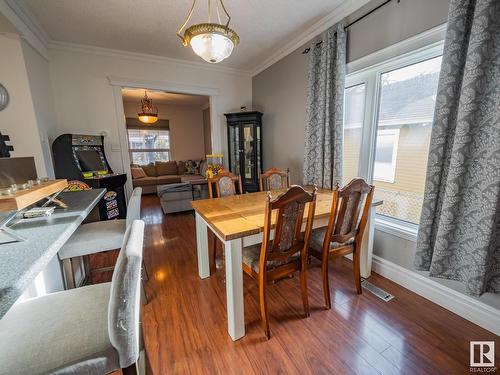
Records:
x=244, y=134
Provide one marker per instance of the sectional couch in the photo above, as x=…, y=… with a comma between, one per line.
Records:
x=163, y=173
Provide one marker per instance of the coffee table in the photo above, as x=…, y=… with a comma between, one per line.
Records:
x=198, y=183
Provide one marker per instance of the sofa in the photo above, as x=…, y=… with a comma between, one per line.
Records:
x=163, y=173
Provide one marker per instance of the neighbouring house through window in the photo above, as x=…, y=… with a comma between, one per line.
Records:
x=388, y=118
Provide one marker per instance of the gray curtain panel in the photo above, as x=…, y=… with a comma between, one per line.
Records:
x=325, y=107
x=459, y=233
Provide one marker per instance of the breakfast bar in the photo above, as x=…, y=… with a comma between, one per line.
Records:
x=21, y=262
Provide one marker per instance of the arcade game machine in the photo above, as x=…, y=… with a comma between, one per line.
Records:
x=82, y=161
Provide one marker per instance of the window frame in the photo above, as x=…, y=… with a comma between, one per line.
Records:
x=132, y=150
x=371, y=77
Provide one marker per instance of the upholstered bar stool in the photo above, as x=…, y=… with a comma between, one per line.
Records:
x=90, y=330
x=97, y=237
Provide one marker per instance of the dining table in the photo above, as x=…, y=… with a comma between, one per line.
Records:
x=238, y=221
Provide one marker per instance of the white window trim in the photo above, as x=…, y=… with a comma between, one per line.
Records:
x=424, y=48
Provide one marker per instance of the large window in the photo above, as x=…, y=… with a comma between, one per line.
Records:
x=395, y=103
x=148, y=145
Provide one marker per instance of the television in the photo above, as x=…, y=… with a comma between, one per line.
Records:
x=91, y=160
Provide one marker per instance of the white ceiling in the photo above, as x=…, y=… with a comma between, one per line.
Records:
x=149, y=26
x=160, y=97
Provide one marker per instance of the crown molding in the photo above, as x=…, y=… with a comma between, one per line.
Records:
x=26, y=24
x=343, y=10
x=108, y=52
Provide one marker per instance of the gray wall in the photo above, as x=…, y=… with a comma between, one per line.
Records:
x=280, y=93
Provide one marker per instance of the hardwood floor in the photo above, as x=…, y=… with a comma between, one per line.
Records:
x=185, y=320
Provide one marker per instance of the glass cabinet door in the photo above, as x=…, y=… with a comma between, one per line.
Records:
x=234, y=149
x=249, y=152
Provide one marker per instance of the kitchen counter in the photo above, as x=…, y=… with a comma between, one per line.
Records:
x=21, y=262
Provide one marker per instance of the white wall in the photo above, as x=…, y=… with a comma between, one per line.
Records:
x=37, y=68
x=186, y=128
x=18, y=120
x=28, y=119
x=85, y=101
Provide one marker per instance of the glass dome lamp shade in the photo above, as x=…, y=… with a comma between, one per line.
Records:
x=147, y=118
x=213, y=42
x=149, y=112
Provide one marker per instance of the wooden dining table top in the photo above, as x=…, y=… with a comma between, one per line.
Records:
x=242, y=215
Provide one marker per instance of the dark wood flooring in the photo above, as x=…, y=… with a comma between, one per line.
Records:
x=185, y=320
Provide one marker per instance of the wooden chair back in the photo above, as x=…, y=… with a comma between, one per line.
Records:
x=348, y=204
x=274, y=179
x=288, y=240
x=225, y=184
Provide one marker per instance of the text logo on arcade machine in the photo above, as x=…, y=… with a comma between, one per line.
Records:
x=111, y=204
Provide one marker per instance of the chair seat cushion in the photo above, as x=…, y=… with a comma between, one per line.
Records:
x=61, y=333
x=317, y=237
x=251, y=255
x=94, y=238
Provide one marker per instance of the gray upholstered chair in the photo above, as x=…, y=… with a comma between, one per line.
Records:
x=97, y=237
x=90, y=330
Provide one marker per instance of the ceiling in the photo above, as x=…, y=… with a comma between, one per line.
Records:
x=160, y=97
x=149, y=26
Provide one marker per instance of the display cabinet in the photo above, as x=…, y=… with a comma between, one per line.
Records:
x=244, y=134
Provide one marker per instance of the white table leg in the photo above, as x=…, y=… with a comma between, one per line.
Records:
x=234, y=289
x=202, y=247
x=367, y=245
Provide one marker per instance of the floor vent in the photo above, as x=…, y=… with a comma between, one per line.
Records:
x=380, y=293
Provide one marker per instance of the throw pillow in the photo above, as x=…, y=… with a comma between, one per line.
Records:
x=137, y=172
x=192, y=166
x=203, y=168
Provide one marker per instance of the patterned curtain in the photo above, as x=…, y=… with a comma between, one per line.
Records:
x=459, y=234
x=325, y=108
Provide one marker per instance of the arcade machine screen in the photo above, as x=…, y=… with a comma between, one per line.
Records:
x=91, y=161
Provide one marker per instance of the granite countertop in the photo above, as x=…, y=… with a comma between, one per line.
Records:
x=21, y=262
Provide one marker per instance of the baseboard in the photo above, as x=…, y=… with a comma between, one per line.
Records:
x=468, y=308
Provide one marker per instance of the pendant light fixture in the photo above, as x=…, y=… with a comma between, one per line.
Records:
x=213, y=42
x=149, y=112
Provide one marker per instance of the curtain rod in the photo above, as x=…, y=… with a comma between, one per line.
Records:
x=353, y=22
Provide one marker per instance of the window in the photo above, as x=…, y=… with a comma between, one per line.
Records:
x=393, y=114
x=148, y=145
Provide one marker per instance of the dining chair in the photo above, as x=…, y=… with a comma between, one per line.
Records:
x=287, y=251
x=274, y=179
x=90, y=330
x=97, y=237
x=345, y=230
x=225, y=185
